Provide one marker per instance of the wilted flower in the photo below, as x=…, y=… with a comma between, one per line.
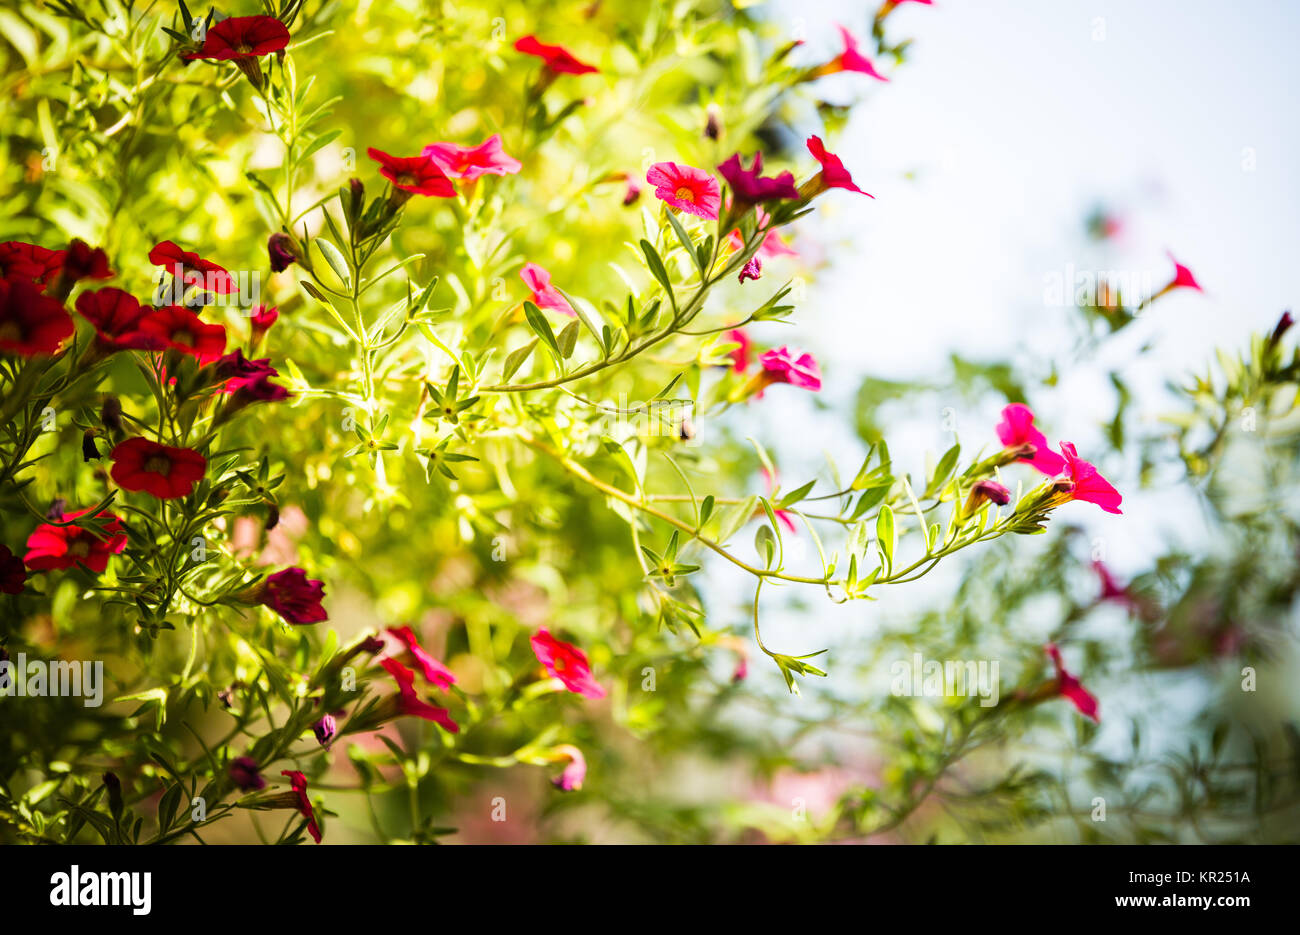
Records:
x=244, y=772
x=752, y=269
x=291, y=594
x=282, y=252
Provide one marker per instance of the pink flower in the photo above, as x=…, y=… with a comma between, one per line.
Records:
x=470, y=162
x=750, y=187
x=298, y=782
x=781, y=366
x=1017, y=429
x=1183, y=277
x=409, y=701
x=261, y=321
x=751, y=270
x=773, y=244
x=740, y=356
x=544, y=295
x=574, y=772
x=556, y=58
x=434, y=671
x=848, y=60
x=833, y=173
x=1086, y=484
x=419, y=175
x=1069, y=687
x=567, y=663
x=686, y=188
x=1111, y=589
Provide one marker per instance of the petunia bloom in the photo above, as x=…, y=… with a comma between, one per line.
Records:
x=261, y=320
x=575, y=770
x=13, y=574
x=1016, y=430
x=555, y=58
x=116, y=316
x=1082, y=482
x=292, y=595
x=80, y=261
x=31, y=322
x=408, y=700
x=21, y=260
x=281, y=251
x=750, y=186
x=57, y=546
x=180, y=329
x=567, y=663
x=544, y=295
x=241, y=37
x=1183, y=279
x=1067, y=686
x=419, y=175
x=832, y=175
x=243, y=770
x=740, y=356
x=298, y=782
x=434, y=671
x=471, y=162
x=686, y=188
x=780, y=365
x=850, y=59
x=165, y=472
x=192, y=269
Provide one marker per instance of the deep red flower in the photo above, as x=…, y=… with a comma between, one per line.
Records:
x=242, y=37
x=31, y=322
x=262, y=319
x=81, y=261
x=1069, y=687
x=238, y=371
x=1086, y=484
x=556, y=58
x=567, y=663
x=299, y=784
x=13, y=574
x=166, y=473
x=686, y=188
x=326, y=729
x=116, y=316
x=192, y=269
x=833, y=173
x=243, y=770
x=182, y=330
x=434, y=671
x=409, y=701
x=1017, y=429
x=419, y=175
x=20, y=260
x=281, y=252
x=294, y=596
x=750, y=187
x=471, y=162
x=52, y=546
x=544, y=295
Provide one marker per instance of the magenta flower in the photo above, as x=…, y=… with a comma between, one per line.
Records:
x=470, y=162
x=849, y=60
x=292, y=595
x=750, y=187
x=986, y=491
x=740, y=356
x=567, y=663
x=1069, y=687
x=1017, y=429
x=409, y=701
x=555, y=58
x=1086, y=484
x=686, y=188
x=419, y=175
x=780, y=365
x=298, y=782
x=1183, y=278
x=243, y=770
x=833, y=173
x=544, y=295
x=434, y=671
x=575, y=771
x=751, y=270
x=773, y=244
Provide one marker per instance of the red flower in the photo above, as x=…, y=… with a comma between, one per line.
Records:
x=556, y=58
x=1068, y=687
x=849, y=60
x=281, y=251
x=180, y=329
x=296, y=779
x=409, y=701
x=1183, y=278
x=781, y=366
x=81, y=261
x=833, y=173
x=292, y=595
x=31, y=322
x=434, y=671
x=52, y=546
x=470, y=162
x=1086, y=484
x=19, y=260
x=243, y=770
x=13, y=574
x=242, y=37
x=262, y=320
x=419, y=175
x=544, y=295
x=740, y=356
x=686, y=188
x=191, y=268
x=116, y=316
x=164, y=472
x=749, y=186
x=1017, y=429
x=567, y=663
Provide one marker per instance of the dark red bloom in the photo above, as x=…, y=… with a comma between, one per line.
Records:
x=13, y=574
x=81, y=261
x=419, y=175
x=749, y=186
x=567, y=663
x=281, y=250
x=242, y=37
x=409, y=701
x=554, y=57
x=238, y=371
x=166, y=473
x=436, y=673
x=243, y=770
x=20, y=260
x=31, y=322
x=1067, y=686
x=299, y=784
x=52, y=546
x=182, y=330
x=191, y=268
x=116, y=316
x=262, y=320
x=294, y=596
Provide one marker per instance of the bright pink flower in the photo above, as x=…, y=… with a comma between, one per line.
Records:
x=686, y=188
x=574, y=772
x=419, y=175
x=1069, y=687
x=544, y=295
x=1017, y=428
x=470, y=162
x=242, y=37
x=1111, y=590
x=52, y=546
x=434, y=671
x=299, y=784
x=773, y=244
x=409, y=701
x=740, y=356
x=781, y=366
x=567, y=663
x=833, y=174
x=850, y=59
x=1183, y=278
x=191, y=268
x=752, y=269
x=292, y=595
x=556, y=58
x=1087, y=484
x=750, y=186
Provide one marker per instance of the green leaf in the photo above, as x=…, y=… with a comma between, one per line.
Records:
x=943, y=469
x=657, y=270
x=542, y=328
x=516, y=359
x=569, y=338
x=795, y=496
x=335, y=259
x=886, y=535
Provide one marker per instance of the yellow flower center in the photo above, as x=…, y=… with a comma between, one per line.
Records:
x=685, y=194
x=158, y=465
